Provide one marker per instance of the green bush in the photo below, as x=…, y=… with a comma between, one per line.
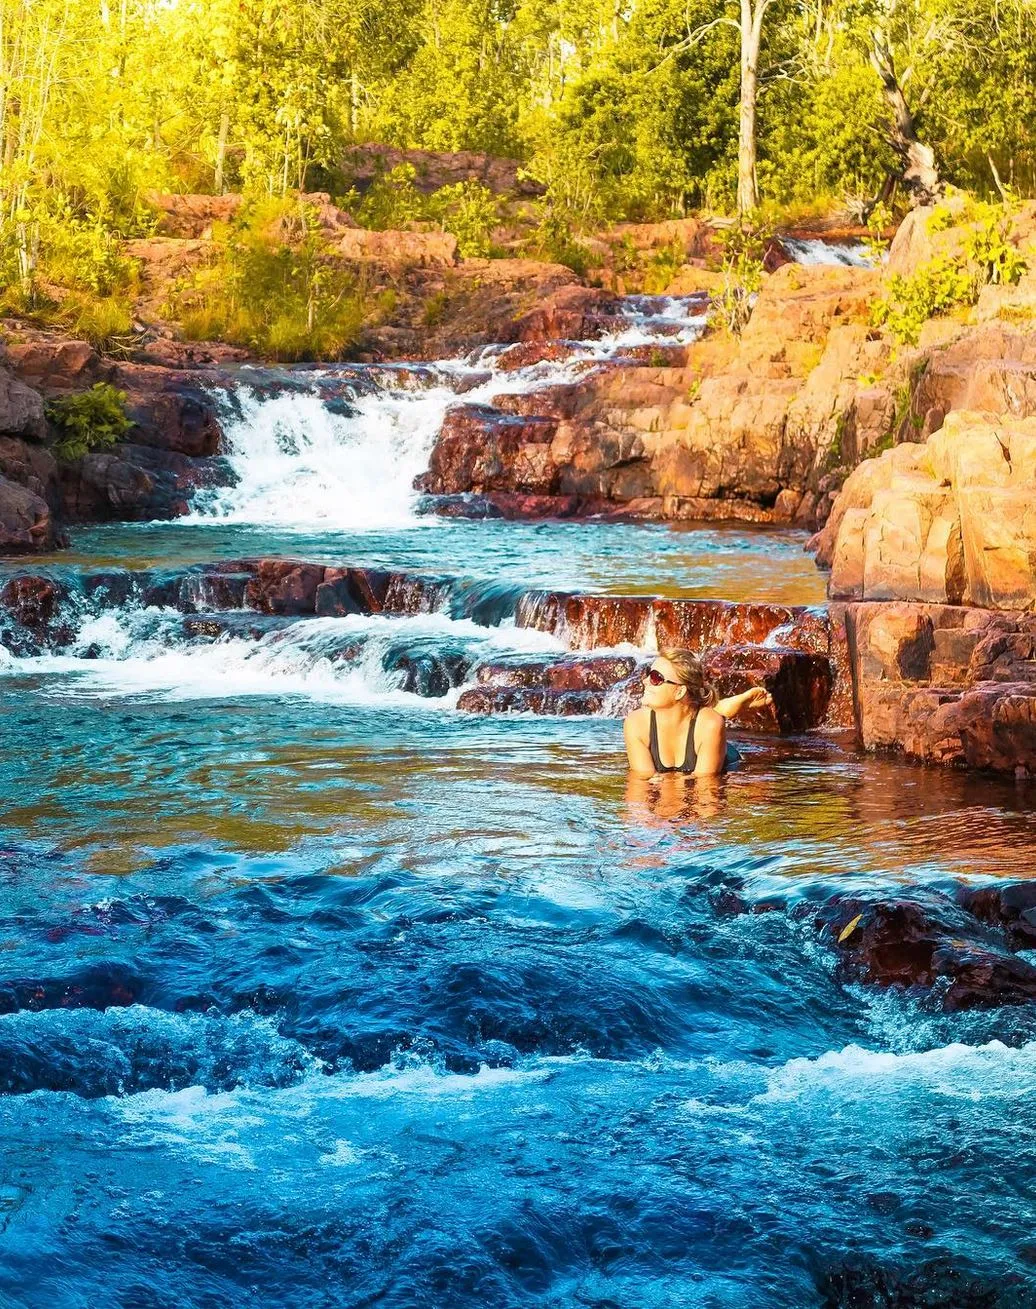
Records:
x=391, y=202
x=273, y=288
x=934, y=288
x=91, y=420
x=989, y=247
x=742, y=277
x=469, y=211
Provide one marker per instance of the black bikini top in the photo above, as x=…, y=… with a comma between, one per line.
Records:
x=690, y=758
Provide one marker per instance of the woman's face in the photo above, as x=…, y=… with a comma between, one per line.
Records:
x=667, y=693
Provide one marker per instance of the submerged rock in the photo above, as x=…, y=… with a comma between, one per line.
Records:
x=928, y=940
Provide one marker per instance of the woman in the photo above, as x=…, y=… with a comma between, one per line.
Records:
x=680, y=726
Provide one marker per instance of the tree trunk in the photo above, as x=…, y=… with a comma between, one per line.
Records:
x=221, y=150
x=920, y=175
x=751, y=39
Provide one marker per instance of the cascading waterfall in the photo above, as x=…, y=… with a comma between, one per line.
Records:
x=298, y=463
x=302, y=463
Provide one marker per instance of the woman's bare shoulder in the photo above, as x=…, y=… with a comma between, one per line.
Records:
x=711, y=721
x=636, y=721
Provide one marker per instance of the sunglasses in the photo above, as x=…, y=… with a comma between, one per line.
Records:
x=656, y=679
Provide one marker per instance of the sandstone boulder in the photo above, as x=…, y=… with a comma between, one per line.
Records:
x=952, y=521
x=26, y=524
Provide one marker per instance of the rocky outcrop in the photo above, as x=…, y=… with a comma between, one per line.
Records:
x=962, y=947
x=944, y=684
x=413, y=249
x=952, y=521
x=740, y=429
x=434, y=169
x=26, y=523
x=151, y=475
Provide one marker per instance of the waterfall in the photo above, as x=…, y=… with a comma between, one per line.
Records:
x=298, y=462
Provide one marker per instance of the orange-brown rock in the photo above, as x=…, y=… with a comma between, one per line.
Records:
x=416, y=249
x=944, y=684
x=951, y=521
x=434, y=169
x=572, y=313
x=192, y=216
x=26, y=524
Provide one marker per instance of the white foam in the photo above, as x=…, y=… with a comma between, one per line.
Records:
x=300, y=465
x=143, y=652
x=813, y=252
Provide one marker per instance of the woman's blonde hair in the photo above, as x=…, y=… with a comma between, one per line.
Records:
x=691, y=673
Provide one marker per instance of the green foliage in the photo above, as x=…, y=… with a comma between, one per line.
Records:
x=742, y=277
x=989, y=247
x=469, y=211
x=273, y=289
x=936, y=287
x=663, y=266
x=879, y=220
x=91, y=420
x=946, y=283
x=391, y=203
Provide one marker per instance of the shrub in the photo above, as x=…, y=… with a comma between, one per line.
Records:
x=935, y=287
x=469, y=211
x=989, y=247
x=392, y=201
x=91, y=420
x=742, y=277
x=663, y=266
x=273, y=288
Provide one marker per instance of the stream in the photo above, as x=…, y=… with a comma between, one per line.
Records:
x=315, y=990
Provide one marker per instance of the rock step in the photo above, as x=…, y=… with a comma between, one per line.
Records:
x=610, y=685
x=586, y=622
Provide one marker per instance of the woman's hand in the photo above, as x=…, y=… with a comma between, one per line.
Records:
x=758, y=697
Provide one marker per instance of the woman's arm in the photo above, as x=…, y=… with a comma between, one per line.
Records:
x=757, y=697
x=637, y=751
x=711, y=744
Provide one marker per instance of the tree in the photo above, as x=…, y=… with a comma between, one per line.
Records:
x=751, y=27
x=919, y=174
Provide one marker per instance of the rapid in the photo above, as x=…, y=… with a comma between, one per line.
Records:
x=316, y=990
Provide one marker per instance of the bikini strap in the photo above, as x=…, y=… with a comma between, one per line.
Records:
x=653, y=745
x=690, y=754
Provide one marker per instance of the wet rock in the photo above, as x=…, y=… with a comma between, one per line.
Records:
x=169, y=410
x=283, y=586
x=245, y=626
x=572, y=313
x=799, y=682
x=569, y=673
x=529, y=700
x=427, y=673
x=481, y=450
x=1011, y=907
x=925, y=941
x=527, y=353
x=589, y=621
x=26, y=524
x=32, y=613
x=135, y=483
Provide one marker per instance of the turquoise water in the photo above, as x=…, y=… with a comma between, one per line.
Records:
x=315, y=991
